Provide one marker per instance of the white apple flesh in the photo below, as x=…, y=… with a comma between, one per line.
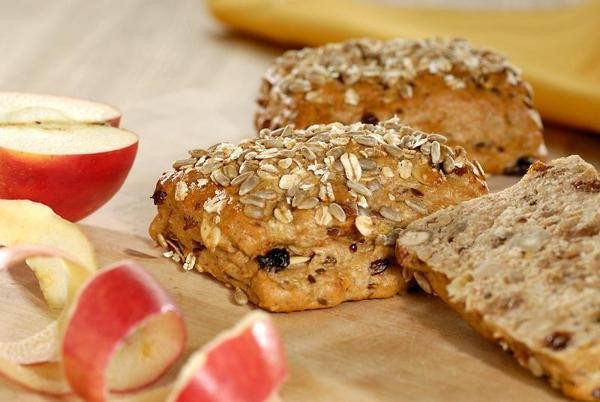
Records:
x=23, y=108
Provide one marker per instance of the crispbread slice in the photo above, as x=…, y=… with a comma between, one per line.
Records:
x=522, y=266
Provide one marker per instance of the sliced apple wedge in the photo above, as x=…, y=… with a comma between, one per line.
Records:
x=24, y=108
x=74, y=169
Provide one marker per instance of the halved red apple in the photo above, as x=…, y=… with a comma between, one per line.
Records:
x=73, y=168
x=24, y=108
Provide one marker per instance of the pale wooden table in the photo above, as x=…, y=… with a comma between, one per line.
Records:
x=181, y=80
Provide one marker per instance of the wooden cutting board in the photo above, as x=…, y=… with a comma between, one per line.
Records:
x=407, y=348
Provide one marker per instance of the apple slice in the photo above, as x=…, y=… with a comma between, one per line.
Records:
x=24, y=108
x=123, y=333
x=246, y=364
x=74, y=169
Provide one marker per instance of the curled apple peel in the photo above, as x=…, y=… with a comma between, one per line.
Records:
x=119, y=330
x=27, y=222
x=123, y=333
x=245, y=364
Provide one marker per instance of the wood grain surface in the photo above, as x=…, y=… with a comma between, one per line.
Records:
x=407, y=348
x=182, y=81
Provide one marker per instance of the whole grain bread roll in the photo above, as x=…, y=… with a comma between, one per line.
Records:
x=522, y=267
x=473, y=96
x=304, y=219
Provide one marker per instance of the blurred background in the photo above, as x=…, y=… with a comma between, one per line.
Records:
x=185, y=78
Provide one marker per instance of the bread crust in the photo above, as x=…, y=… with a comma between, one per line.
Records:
x=562, y=342
x=475, y=97
x=328, y=202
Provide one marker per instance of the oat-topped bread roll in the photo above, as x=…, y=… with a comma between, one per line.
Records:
x=473, y=96
x=308, y=218
x=522, y=266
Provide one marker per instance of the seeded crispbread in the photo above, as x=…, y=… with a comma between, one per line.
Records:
x=474, y=96
x=303, y=219
x=522, y=266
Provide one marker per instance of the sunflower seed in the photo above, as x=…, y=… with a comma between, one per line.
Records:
x=406, y=274
x=413, y=238
x=181, y=191
x=283, y=214
x=351, y=97
x=267, y=167
x=406, y=91
x=322, y=216
x=480, y=168
x=249, y=184
x=197, y=153
x=366, y=140
x=391, y=214
x=387, y=172
x=423, y=282
x=359, y=188
x=161, y=240
x=405, y=169
x=210, y=235
x=417, y=207
x=184, y=162
x=351, y=166
x=266, y=175
x=288, y=181
x=339, y=141
x=231, y=170
x=240, y=297
x=253, y=200
x=285, y=163
x=363, y=205
x=248, y=166
x=367, y=164
x=436, y=137
x=374, y=185
x=393, y=150
x=299, y=259
x=308, y=203
x=535, y=116
x=252, y=211
x=435, y=153
x=266, y=194
x=190, y=262
x=240, y=178
x=364, y=224
x=210, y=165
x=268, y=154
x=299, y=86
x=219, y=177
x=214, y=204
x=448, y=165
x=337, y=212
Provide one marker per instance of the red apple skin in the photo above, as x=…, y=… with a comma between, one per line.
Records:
x=246, y=366
x=74, y=186
x=114, y=122
x=106, y=311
